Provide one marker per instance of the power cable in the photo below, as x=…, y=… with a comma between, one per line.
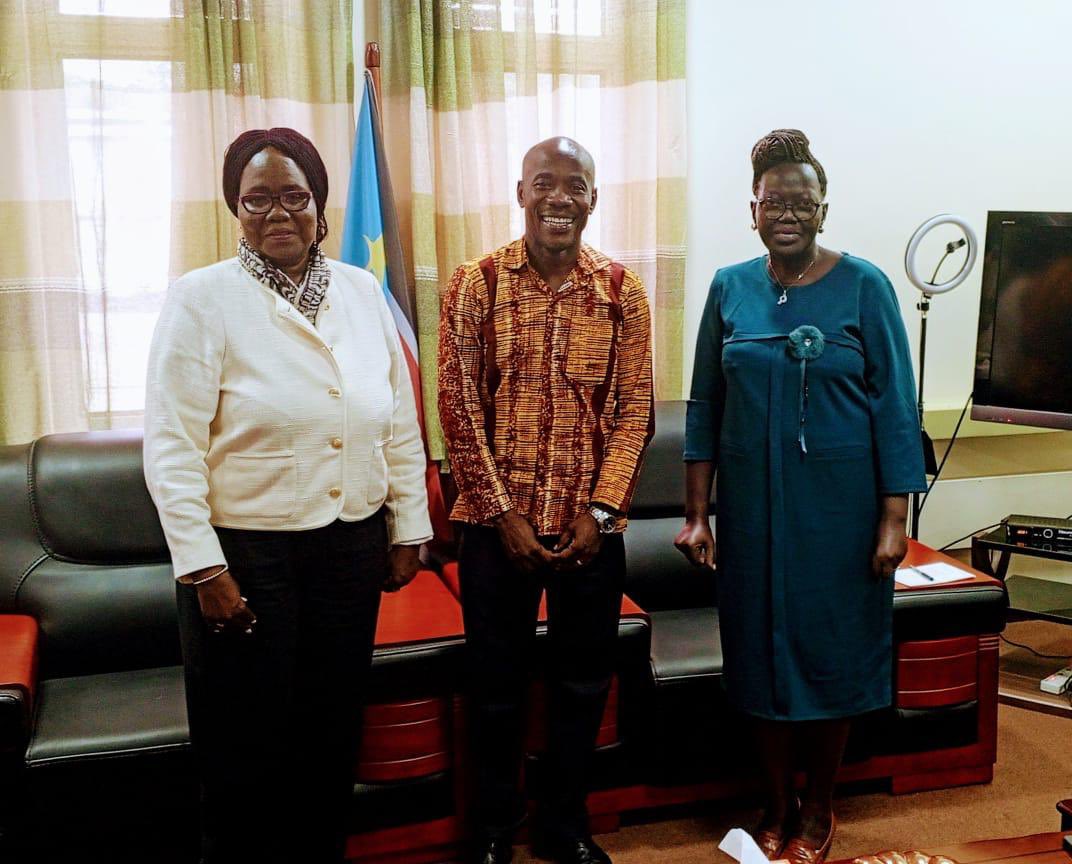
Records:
x=948, y=450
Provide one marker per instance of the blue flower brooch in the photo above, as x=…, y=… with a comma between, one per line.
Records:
x=805, y=343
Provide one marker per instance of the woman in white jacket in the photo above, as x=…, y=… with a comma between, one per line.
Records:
x=283, y=454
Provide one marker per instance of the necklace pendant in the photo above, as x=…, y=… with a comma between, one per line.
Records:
x=783, y=298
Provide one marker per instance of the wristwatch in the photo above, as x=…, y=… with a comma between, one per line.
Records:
x=605, y=520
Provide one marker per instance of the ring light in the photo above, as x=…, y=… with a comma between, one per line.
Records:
x=929, y=288
x=913, y=245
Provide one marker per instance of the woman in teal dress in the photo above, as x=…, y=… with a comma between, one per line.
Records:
x=803, y=411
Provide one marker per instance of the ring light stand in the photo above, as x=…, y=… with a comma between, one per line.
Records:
x=928, y=288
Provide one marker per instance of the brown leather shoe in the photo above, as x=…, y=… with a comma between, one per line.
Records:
x=770, y=843
x=800, y=851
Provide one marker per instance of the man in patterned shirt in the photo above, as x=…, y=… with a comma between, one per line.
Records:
x=545, y=396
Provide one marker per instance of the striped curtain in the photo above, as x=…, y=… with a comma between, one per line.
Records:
x=254, y=64
x=41, y=296
x=470, y=85
x=114, y=118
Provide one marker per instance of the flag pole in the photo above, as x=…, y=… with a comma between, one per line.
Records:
x=372, y=63
x=403, y=287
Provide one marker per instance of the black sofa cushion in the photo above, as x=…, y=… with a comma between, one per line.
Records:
x=113, y=715
x=109, y=767
x=687, y=712
x=660, y=489
x=685, y=645
x=89, y=500
x=102, y=618
x=657, y=576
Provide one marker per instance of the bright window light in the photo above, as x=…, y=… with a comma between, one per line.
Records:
x=562, y=17
x=119, y=135
x=117, y=8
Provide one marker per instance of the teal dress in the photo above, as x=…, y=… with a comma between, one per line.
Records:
x=807, y=434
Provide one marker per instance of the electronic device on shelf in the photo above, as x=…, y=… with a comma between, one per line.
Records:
x=1058, y=683
x=1023, y=355
x=1044, y=532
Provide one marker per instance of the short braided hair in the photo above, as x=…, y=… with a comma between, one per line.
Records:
x=288, y=142
x=782, y=146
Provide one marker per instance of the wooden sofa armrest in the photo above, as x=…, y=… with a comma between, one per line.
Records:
x=1065, y=809
x=18, y=678
x=423, y=611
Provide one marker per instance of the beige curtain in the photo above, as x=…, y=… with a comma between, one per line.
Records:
x=254, y=64
x=42, y=302
x=469, y=86
x=115, y=118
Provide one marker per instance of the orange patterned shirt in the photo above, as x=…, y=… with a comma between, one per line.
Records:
x=545, y=398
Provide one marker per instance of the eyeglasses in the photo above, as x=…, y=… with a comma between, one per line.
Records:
x=774, y=208
x=260, y=203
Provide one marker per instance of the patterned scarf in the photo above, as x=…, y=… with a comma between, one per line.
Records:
x=308, y=296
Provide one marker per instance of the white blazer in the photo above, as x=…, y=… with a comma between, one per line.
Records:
x=256, y=419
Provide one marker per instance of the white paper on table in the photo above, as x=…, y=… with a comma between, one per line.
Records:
x=739, y=844
x=939, y=572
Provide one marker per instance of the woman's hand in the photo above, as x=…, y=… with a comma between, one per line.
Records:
x=696, y=542
x=891, y=545
x=222, y=606
x=403, y=564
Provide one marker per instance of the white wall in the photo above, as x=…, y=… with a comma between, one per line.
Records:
x=914, y=108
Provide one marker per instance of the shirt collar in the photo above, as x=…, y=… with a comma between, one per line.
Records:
x=589, y=260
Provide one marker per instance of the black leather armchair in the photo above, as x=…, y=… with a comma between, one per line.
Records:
x=94, y=741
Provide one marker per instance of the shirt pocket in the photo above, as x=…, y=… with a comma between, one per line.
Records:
x=258, y=485
x=590, y=347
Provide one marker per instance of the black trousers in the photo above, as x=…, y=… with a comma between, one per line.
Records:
x=275, y=717
x=500, y=605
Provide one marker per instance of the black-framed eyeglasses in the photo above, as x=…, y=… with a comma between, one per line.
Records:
x=774, y=208
x=260, y=203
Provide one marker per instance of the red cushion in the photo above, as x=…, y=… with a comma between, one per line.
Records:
x=18, y=654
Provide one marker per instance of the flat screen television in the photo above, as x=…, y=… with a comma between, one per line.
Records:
x=1023, y=353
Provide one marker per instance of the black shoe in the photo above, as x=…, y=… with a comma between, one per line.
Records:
x=494, y=852
x=577, y=851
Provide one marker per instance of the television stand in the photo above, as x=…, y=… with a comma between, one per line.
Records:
x=1029, y=596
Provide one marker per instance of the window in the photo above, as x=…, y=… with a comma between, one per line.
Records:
x=566, y=103
x=119, y=139
x=117, y=8
x=561, y=17
x=115, y=59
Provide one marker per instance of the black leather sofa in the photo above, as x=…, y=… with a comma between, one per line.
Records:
x=94, y=749
x=94, y=753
